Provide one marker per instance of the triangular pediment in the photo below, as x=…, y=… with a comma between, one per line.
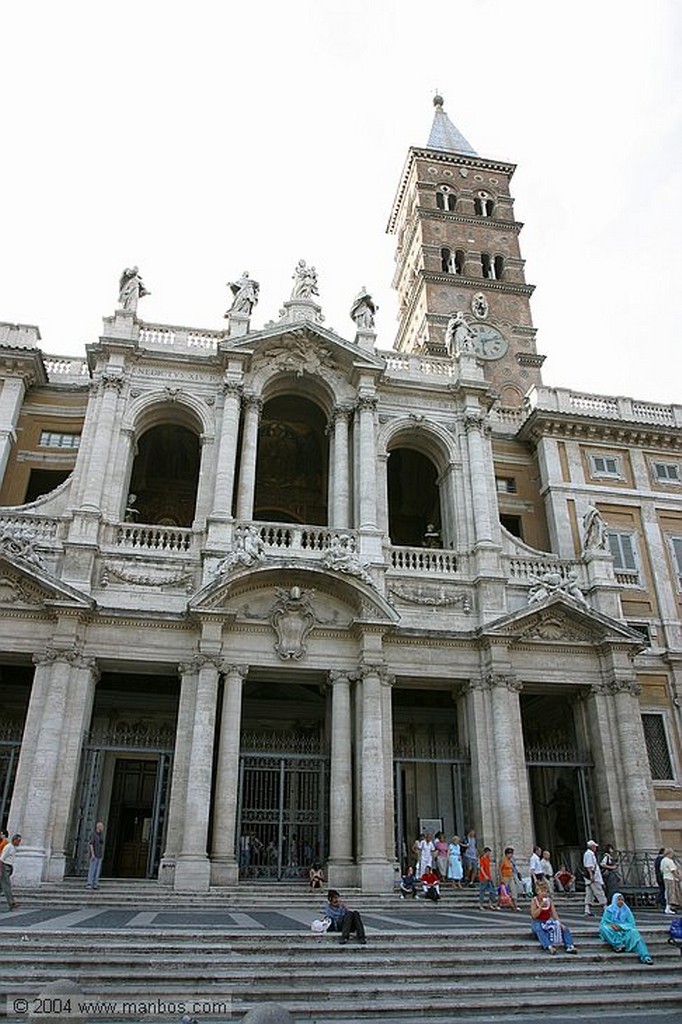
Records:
x=560, y=619
x=25, y=584
x=304, y=346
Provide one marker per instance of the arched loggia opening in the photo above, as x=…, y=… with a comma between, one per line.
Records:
x=165, y=475
x=292, y=462
x=414, y=515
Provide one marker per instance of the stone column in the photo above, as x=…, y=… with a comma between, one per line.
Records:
x=11, y=400
x=179, y=780
x=110, y=384
x=478, y=476
x=643, y=830
x=367, y=483
x=376, y=869
x=607, y=789
x=247, y=472
x=224, y=866
x=192, y=868
x=227, y=451
x=340, y=863
x=514, y=823
x=47, y=776
x=481, y=749
x=340, y=495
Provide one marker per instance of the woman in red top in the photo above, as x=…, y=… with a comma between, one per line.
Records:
x=547, y=927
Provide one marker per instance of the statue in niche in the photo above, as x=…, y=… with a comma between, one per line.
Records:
x=594, y=530
x=305, y=281
x=363, y=310
x=245, y=291
x=458, y=337
x=292, y=619
x=131, y=289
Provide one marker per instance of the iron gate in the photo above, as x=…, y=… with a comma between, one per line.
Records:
x=10, y=748
x=283, y=813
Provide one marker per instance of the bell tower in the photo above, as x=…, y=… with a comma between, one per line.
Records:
x=458, y=252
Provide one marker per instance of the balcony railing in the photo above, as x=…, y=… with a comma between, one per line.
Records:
x=165, y=539
x=423, y=560
x=279, y=538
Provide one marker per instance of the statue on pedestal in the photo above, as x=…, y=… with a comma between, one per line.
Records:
x=458, y=337
x=305, y=281
x=363, y=310
x=131, y=289
x=245, y=291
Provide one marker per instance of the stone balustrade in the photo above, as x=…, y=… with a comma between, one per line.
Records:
x=278, y=538
x=59, y=367
x=417, y=367
x=545, y=399
x=429, y=561
x=41, y=528
x=180, y=339
x=165, y=539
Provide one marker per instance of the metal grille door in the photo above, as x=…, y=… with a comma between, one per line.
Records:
x=282, y=815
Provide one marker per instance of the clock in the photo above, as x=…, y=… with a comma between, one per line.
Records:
x=489, y=342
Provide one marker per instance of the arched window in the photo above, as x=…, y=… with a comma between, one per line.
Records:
x=446, y=198
x=484, y=204
x=487, y=266
x=459, y=261
x=498, y=266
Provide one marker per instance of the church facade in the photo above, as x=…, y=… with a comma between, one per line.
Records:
x=273, y=596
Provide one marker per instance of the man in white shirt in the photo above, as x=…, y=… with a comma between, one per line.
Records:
x=671, y=878
x=535, y=867
x=594, y=882
x=7, y=867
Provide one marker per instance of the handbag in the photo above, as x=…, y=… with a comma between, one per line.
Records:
x=321, y=925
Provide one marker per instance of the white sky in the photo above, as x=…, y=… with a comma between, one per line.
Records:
x=199, y=140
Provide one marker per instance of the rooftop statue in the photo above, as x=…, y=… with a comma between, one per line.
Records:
x=305, y=281
x=245, y=291
x=131, y=289
x=363, y=310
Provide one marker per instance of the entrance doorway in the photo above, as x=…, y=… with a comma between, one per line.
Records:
x=130, y=818
x=283, y=818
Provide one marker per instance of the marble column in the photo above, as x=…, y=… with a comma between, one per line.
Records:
x=177, y=800
x=643, y=830
x=340, y=491
x=481, y=749
x=110, y=384
x=340, y=868
x=224, y=865
x=227, y=451
x=253, y=406
x=59, y=715
x=11, y=400
x=478, y=475
x=376, y=869
x=192, y=867
x=514, y=823
x=367, y=463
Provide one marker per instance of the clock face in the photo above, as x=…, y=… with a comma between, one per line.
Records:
x=489, y=342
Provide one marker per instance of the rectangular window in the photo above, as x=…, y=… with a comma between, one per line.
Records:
x=667, y=472
x=505, y=484
x=623, y=550
x=49, y=439
x=513, y=525
x=643, y=628
x=657, y=747
x=606, y=465
x=676, y=546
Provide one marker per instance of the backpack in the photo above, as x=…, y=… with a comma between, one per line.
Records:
x=675, y=932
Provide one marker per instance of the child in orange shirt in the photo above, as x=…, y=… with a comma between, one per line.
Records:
x=486, y=886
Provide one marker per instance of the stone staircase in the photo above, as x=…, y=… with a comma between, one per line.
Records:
x=479, y=965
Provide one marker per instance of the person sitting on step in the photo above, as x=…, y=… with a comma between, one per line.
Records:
x=343, y=920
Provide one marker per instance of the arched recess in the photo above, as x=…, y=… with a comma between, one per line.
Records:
x=416, y=505
x=165, y=471
x=292, y=464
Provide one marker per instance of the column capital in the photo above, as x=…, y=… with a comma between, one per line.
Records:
x=366, y=402
x=69, y=655
x=254, y=402
x=500, y=679
x=378, y=669
x=341, y=677
x=233, y=388
x=341, y=412
x=229, y=669
x=197, y=662
x=110, y=380
x=473, y=421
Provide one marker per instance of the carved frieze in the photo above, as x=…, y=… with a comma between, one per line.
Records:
x=433, y=597
x=552, y=625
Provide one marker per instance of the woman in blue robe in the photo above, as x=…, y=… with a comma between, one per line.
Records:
x=618, y=928
x=455, y=871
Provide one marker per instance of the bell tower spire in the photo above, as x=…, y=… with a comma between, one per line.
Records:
x=458, y=252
